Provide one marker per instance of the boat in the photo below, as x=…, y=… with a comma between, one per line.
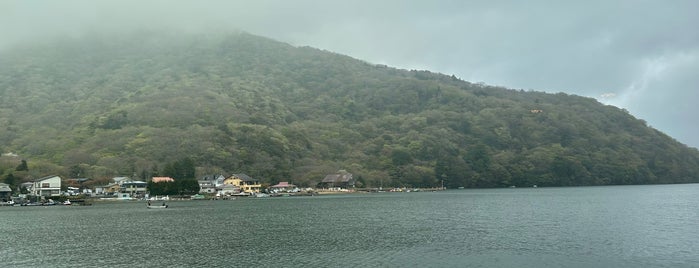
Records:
x=67, y=203
x=156, y=206
x=197, y=197
x=161, y=198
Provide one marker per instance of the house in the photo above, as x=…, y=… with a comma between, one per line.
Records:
x=244, y=182
x=5, y=192
x=109, y=189
x=342, y=179
x=227, y=190
x=46, y=186
x=284, y=187
x=206, y=187
x=209, y=183
x=123, y=185
x=134, y=188
x=216, y=180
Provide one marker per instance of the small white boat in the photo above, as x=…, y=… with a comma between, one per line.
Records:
x=156, y=206
x=67, y=203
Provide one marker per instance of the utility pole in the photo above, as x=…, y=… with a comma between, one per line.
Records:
x=443, y=177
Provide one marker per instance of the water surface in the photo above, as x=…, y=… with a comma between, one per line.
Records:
x=620, y=226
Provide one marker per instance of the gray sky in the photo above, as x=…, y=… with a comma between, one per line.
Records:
x=639, y=55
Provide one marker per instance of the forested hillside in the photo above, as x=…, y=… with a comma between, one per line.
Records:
x=105, y=106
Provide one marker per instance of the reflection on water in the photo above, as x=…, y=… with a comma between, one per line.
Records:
x=623, y=226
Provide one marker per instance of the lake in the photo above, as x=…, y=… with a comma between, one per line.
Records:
x=615, y=226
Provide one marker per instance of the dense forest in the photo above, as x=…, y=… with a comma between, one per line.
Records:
x=131, y=105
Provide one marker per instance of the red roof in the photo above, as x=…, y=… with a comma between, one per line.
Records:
x=161, y=179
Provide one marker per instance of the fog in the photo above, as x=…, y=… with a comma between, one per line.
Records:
x=639, y=55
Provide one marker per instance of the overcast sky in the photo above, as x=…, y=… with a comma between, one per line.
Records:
x=639, y=55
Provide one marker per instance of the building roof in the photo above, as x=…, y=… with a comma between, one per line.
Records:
x=118, y=179
x=5, y=187
x=134, y=183
x=161, y=179
x=338, y=178
x=243, y=177
x=112, y=184
x=212, y=177
x=46, y=178
x=80, y=180
x=282, y=184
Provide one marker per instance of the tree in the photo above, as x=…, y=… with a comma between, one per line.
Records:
x=453, y=171
x=187, y=187
x=160, y=188
x=400, y=157
x=478, y=158
x=76, y=171
x=11, y=180
x=177, y=187
x=181, y=169
x=22, y=166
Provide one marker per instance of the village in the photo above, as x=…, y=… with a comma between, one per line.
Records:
x=50, y=190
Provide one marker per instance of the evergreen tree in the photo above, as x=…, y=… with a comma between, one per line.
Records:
x=10, y=180
x=22, y=166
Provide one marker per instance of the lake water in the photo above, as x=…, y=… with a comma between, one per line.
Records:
x=621, y=226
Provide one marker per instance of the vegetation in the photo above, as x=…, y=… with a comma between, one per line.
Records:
x=238, y=103
x=177, y=187
x=183, y=171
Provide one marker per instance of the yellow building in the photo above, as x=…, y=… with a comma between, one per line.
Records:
x=244, y=182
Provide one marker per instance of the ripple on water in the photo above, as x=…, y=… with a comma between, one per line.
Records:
x=650, y=226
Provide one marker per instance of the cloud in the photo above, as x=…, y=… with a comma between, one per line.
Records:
x=666, y=95
x=608, y=95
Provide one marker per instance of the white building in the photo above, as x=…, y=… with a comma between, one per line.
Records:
x=134, y=187
x=46, y=186
x=5, y=192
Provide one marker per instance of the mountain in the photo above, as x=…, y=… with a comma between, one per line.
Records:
x=102, y=105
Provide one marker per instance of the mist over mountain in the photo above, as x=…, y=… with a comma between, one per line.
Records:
x=102, y=105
